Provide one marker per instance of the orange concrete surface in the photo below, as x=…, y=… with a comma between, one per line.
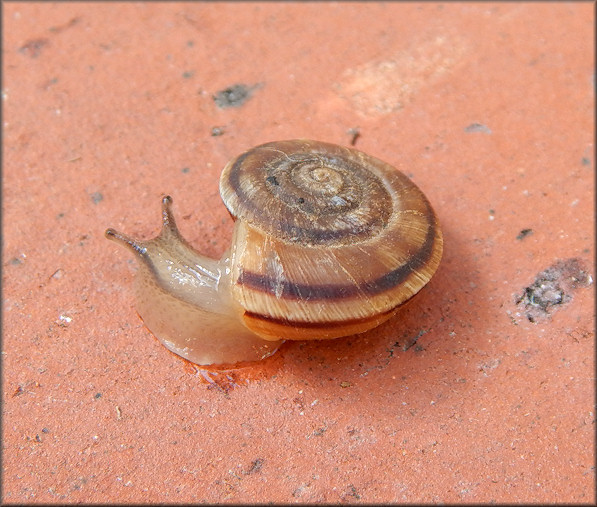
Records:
x=480, y=390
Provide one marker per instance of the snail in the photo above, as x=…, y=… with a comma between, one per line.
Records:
x=327, y=242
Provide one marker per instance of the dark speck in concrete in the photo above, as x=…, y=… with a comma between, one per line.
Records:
x=477, y=127
x=233, y=96
x=552, y=288
x=524, y=233
x=255, y=466
x=354, y=135
x=33, y=47
x=96, y=197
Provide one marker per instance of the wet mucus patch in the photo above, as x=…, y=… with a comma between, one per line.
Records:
x=552, y=288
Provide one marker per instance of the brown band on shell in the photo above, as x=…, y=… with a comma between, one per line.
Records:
x=273, y=329
x=289, y=290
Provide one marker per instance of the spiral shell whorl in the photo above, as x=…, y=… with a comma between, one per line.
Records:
x=314, y=193
x=329, y=241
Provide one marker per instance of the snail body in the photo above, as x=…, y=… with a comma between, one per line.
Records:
x=327, y=242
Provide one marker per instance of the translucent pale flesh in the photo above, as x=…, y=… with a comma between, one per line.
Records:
x=184, y=300
x=194, y=332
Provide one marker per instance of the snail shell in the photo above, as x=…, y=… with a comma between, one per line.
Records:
x=327, y=242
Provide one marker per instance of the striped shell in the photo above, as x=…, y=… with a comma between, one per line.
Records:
x=328, y=241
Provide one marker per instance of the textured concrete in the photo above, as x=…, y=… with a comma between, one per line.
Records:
x=480, y=390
